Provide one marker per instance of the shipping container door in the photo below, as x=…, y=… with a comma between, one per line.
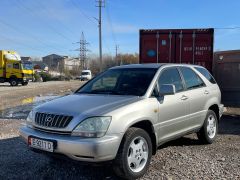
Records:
x=194, y=48
x=148, y=46
x=166, y=50
x=203, y=50
x=184, y=48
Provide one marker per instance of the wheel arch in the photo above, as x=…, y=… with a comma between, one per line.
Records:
x=13, y=77
x=215, y=109
x=148, y=127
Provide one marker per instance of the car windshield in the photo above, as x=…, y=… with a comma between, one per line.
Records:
x=125, y=81
x=27, y=66
x=85, y=73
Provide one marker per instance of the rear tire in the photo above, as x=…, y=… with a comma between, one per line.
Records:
x=209, y=130
x=13, y=82
x=2, y=80
x=134, y=154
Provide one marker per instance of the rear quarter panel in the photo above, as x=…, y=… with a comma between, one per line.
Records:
x=214, y=96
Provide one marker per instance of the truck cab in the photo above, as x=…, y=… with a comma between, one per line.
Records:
x=13, y=70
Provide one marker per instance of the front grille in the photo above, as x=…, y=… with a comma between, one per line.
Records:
x=53, y=131
x=52, y=120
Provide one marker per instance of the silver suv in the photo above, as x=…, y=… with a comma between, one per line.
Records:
x=125, y=113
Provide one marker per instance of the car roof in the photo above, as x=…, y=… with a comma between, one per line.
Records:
x=149, y=65
x=152, y=65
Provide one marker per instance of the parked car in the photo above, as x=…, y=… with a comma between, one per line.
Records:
x=125, y=113
x=85, y=75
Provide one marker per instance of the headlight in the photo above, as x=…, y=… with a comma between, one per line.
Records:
x=92, y=127
x=30, y=117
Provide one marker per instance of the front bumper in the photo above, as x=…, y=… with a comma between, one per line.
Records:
x=26, y=79
x=80, y=149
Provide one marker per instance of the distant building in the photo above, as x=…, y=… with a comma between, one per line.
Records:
x=55, y=62
x=70, y=64
x=59, y=63
x=227, y=55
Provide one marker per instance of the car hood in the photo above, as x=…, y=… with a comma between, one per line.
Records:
x=86, y=104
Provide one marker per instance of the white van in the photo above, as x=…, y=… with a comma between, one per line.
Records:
x=86, y=75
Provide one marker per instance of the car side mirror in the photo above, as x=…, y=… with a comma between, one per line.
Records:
x=167, y=89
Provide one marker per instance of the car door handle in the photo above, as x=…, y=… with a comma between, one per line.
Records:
x=184, y=97
x=206, y=92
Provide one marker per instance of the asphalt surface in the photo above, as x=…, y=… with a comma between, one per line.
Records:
x=184, y=158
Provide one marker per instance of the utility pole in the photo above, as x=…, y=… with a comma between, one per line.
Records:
x=116, y=57
x=101, y=3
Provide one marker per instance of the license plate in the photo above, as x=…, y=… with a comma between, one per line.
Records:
x=41, y=144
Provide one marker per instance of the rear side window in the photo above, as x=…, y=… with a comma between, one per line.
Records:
x=206, y=74
x=171, y=76
x=192, y=80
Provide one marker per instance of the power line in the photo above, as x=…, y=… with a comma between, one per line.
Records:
x=35, y=38
x=226, y=28
x=29, y=10
x=106, y=45
x=111, y=25
x=50, y=12
x=22, y=44
x=76, y=5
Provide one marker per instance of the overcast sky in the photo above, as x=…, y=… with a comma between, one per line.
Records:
x=41, y=27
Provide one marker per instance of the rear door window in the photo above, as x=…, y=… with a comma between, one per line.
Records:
x=192, y=80
x=206, y=74
x=171, y=76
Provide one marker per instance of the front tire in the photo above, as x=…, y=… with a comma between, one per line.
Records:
x=13, y=82
x=208, y=132
x=134, y=154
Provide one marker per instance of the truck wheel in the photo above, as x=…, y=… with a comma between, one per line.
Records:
x=24, y=83
x=209, y=130
x=134, y=154
x=13, y=82
x=2, y=80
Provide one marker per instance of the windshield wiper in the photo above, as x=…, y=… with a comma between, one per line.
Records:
x=84, y=92
x=100, y=92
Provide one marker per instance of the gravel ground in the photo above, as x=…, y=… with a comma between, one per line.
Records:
x=184, y=158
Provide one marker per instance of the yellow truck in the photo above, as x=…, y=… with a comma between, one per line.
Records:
x=13, y=70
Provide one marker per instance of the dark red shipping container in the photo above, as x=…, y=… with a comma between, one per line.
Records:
x=189, y=46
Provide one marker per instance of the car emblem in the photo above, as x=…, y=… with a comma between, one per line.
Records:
x=49, y=119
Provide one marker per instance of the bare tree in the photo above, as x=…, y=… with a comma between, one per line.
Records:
x=109, y=61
